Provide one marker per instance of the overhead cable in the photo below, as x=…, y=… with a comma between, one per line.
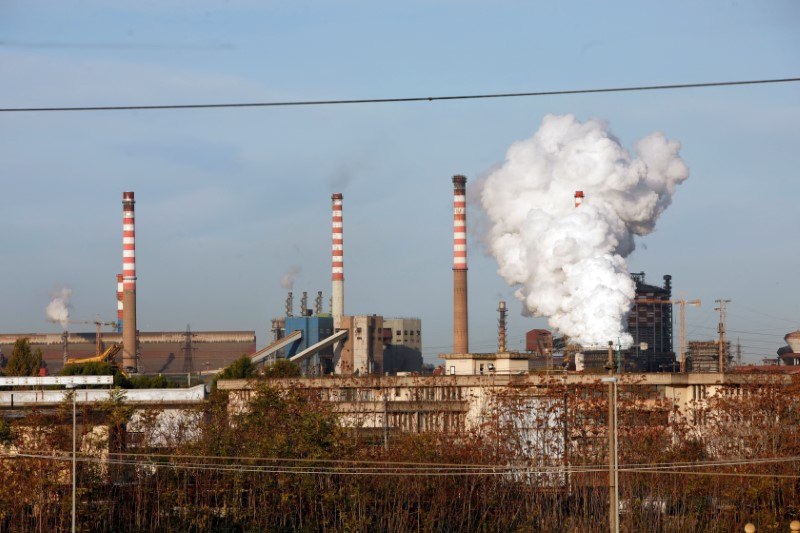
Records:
x=297, y=103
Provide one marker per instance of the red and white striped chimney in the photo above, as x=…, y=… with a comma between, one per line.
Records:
x=337, y=259
x=119, y=302
x=128, y=283
x=578, y=198
x=460, y=316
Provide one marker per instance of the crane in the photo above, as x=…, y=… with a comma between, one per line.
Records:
x=97, y=322
x=682, y=302
x=105, y=357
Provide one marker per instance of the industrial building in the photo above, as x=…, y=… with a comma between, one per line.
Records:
x=650, y=325
x=402, y=345
x=790, y=354
x=705, y=356
x=165, y=352
x=313, y=329
x=339, y=343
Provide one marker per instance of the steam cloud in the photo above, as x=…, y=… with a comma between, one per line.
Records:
x=287, y=281
x=570, y=263
x=58, y=308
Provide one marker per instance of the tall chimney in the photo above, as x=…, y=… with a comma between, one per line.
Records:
x=578, y=198
x=460, y=320
x=128, y=283
x=119, y=302
x=337, y=257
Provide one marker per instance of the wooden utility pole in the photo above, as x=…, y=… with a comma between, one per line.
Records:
x=682, y=302
x=721, y=328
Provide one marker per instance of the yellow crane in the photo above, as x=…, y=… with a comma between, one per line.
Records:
x=106, y=356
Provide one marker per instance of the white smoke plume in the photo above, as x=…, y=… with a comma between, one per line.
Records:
x=58, y=308
x=287, y=281
x=570, y=263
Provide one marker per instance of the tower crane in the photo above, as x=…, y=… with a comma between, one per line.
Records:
x=682, y=302
x=98, y=323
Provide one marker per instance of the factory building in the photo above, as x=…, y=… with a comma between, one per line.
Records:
x=650, y=325
x=362, y=351
x=167, y=352
x=314, y=329
x=790, y=354
x=539, y=342
x=703, y=356
x=403, y=345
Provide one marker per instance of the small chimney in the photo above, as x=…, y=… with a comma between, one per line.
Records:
x=578, y=198
x=337, y=258
x=501, y=327
x=289, y=304
x=460, y=317
x=318, y=303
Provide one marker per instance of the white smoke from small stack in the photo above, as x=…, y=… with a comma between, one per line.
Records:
x=569, y=262
x=287, y=281
x=58, y=308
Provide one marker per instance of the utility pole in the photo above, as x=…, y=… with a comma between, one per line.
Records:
x=721, y=328
x=613, y=489
x=74, y=464
x=188, y=351
x=738, y=352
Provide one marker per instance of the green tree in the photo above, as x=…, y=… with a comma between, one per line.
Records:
x=282, y=368
x=241, y=368
x=24, y=361
x=97, y=369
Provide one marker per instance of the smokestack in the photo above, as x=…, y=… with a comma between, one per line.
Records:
x=501, y=327
x=460, y=320
x=337, y=264
x=289, y=304
x=578, y=198
x=119, y=302
x=128, y=283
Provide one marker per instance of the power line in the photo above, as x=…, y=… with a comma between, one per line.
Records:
x=298, y=103
x=349, y=467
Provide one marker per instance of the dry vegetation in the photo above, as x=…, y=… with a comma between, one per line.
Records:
x=287, y=465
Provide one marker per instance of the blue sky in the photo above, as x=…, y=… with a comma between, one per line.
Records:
x=229, y=200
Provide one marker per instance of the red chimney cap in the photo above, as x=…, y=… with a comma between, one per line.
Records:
x=578, y=194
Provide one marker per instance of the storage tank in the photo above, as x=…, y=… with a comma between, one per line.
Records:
x=793, y=340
